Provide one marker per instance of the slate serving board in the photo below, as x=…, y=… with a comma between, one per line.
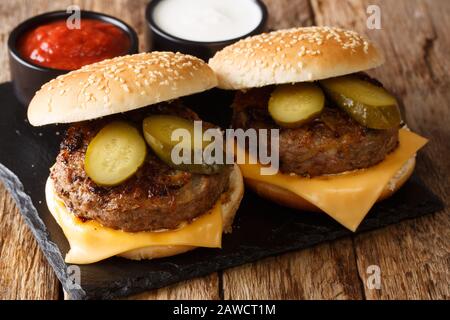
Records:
x=261, y=228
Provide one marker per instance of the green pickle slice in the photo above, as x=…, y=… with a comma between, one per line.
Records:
x=158, y=134
x=292, y=105
x=368, y=104
x=115, y=154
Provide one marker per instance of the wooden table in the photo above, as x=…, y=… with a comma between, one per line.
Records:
x=413, y=256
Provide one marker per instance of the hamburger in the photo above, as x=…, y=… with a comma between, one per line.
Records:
x=113, y=188
x=342, y=143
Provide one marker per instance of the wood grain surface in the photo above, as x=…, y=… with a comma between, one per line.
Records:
x=413, y=256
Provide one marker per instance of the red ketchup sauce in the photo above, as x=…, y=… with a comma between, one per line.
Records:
x=53, y=45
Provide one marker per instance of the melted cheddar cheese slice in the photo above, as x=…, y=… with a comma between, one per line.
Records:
x=91, y=242
x=346, y=197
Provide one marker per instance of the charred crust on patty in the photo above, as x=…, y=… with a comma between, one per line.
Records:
x=73, y=141
x=332, y=143
x=157, y=197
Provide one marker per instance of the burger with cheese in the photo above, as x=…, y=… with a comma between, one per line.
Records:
x=342, y=143
x=114, y=189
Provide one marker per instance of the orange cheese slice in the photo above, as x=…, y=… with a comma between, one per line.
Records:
x=348, y=197
x=91, y=242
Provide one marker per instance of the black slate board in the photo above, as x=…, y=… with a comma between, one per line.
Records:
x=261, y=228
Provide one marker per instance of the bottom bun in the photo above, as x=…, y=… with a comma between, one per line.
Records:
x=289, y=199
x=155, y=252
x=230, y=203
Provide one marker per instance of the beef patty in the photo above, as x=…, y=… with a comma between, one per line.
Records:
x=156, y=197
x=332, y=143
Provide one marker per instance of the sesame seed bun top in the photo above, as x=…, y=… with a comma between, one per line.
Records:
x=119, y=85
x=293, y=55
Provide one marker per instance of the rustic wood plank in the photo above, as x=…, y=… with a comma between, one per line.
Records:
x=327, y=271
x=205, y=288
x=24, y=272
x=414, y=256
x=288, y=13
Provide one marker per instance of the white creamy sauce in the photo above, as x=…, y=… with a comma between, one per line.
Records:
x=207, y=20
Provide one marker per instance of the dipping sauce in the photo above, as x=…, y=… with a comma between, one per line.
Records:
x=54, y=45
x=207, y=20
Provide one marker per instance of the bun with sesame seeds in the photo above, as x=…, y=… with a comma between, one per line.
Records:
x=293, y=55
x=119, y=85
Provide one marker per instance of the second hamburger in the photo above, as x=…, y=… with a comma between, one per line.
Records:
x=342, y=146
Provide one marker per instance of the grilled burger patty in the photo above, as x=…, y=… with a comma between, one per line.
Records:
x=156, y=197
x=332, y=143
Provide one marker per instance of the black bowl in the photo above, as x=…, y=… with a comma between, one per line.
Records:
x=159, y=40
x=27, y=77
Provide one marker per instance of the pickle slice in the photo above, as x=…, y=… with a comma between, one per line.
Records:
x=293, y=105
x=158, y=134
x=115, y=154
x=368, y=104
